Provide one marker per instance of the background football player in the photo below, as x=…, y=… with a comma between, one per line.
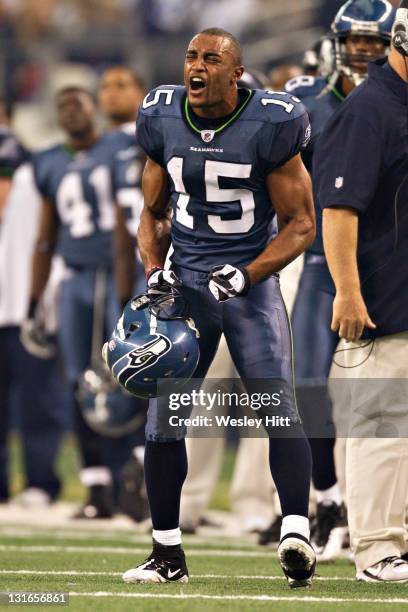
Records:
x=77, y=220
x=120, y=94
x=361, y=32
x=222, y=155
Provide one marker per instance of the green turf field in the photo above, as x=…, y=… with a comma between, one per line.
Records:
x=225, y=575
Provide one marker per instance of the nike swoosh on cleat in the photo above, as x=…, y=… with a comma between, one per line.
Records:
x=171, y=574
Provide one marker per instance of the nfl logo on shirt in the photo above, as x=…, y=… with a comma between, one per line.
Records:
x=339, y=182
x=207, y=135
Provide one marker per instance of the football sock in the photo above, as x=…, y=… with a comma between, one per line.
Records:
x=97, y=475
x=169, y=537
x=294, y=523
x=165, y=472
x=290, y=462
x=330, y=495
x=324, y=470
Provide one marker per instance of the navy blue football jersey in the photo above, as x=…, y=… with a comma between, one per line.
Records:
x=321, y=101
x=12, y=154
x=129, y=163
x=222, y=212
x=80, y=185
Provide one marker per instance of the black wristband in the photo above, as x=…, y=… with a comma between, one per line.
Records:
x=32, y=307
x=151, y=271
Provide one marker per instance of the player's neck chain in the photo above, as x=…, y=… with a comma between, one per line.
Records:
x=224, y=125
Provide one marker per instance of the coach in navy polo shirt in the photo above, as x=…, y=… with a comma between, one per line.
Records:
x=361, y=180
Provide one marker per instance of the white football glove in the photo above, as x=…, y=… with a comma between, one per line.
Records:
x=35, y=340
x=161, y=281
x=226, y=282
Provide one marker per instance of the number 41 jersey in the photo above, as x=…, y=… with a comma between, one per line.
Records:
x=81, y=186
x=222, y=212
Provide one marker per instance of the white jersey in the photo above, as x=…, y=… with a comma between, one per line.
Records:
x=17, y=238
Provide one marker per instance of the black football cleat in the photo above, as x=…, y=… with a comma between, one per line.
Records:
x=165, y=564
x=271, y=534
x=99, y=504
x=328, y=516
x=297, y=559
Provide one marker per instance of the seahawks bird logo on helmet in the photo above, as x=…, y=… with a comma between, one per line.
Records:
x=143, y=357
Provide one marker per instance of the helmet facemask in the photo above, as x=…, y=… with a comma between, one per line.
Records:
x=355, y=65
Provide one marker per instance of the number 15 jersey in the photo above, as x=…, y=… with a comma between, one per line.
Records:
x=222, y=212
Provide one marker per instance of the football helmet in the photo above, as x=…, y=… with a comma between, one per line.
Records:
x=253, y=79
x=106, y=407
x=361, y=18
x=318, y=60
x=154, y=346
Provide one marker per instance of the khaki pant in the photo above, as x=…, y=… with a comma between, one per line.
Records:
x=376, y=467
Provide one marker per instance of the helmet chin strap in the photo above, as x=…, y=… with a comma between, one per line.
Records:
x=153, y=323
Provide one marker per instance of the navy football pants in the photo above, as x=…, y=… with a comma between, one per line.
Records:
x=314, y=346
x=257, y=331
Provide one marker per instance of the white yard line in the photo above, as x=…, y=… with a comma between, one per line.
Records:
x=305, y=599
x=82, y=534
x=118, y=550
x=205, y=576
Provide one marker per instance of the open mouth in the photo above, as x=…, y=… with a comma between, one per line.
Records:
x=197, y=84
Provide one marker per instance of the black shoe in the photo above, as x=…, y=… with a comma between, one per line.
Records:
x=99, y=504
x=329, y=515
x=297, y=559
x=165, y=564
x=271, y=534
x=132, y=495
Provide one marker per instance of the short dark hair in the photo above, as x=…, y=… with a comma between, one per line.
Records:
x=224, y=34
x=75, y=89
x=138, y=81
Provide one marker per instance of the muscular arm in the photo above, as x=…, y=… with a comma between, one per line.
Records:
x=153, y=235
x=290, y=191
x=43, y=250
x=124, y=258
x=340, y=237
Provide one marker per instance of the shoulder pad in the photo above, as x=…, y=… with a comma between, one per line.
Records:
x=276, y=106
x=305, y=85
x=117, y=139
x=163, y=100
x=46, y=154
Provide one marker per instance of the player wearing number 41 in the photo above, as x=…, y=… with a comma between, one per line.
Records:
x=228, y=159
x=78, y=215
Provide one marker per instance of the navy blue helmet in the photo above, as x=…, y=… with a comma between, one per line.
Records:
x=106, y=407
x=154, y=346
x=372, y=18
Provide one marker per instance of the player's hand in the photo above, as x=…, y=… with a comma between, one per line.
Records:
x=161, y=281
x=350, y=316
x=226, y=282
x=35, y=340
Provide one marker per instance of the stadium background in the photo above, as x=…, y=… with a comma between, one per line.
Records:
x=47, y=44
